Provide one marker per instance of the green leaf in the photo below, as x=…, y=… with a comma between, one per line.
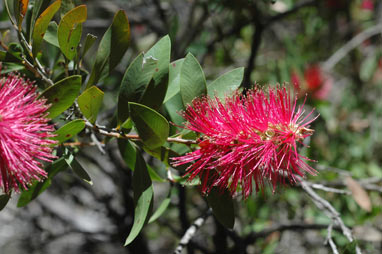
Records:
x=155, y=93
x=154, y=175
x=11, y=67
x=78, y=169
x=350, y=248
x=38, y=6
x=128, y=152
x=143, y=197
x=62, y=95
x=51, y=34
x=90, y=102
x=162, y=153
x=152, y=127
x=226, y=83
x=222, y=206
x=42, y=24
x=14, y=53
x=161, y=51
x=69, y=130
x=157, y=88
x=112, y=47
x=134, y=84
x=4, y=198
x=120, y=38
x=89, y=41
x=173, y=106
x=192, y=80
x=162, y=208
x=39, y=187
x=70, y=30
x=174, y=79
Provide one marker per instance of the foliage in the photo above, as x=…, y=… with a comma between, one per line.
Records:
x=117, y=86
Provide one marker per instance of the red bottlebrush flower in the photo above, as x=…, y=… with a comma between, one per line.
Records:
x=295, y=80
x=313, y=77
x=24, y=134
x=367, y=5
x=248, y=139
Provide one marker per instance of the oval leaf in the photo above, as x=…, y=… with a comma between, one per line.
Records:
x=134, y=83
x=192, y=80
x=78, y=169
x=69, y=130
x=162, y=208
x=161, y=51
x=90, y=103
x=174, y=79
x=62, y=95
x=226, y=83
x=152, y=127
x=4, y=198
x=51, y=34
x=70, y=30
x=143, y=197
x=112, y=47
x=128, y=152
x=222, y=207
x=42, y=24
x=89, y=41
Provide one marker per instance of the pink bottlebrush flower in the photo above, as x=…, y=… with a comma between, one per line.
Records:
x=24, y=134
x=248, y=139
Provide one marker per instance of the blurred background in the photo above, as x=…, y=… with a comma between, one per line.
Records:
x=329, y=50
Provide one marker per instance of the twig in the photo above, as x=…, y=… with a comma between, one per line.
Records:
x=349, y=46
x=331, y=212
x=329, y=240
x=81, y=144
x=191, y=231
x=250, y=238
x=294, y=9
x=318, y=186
x=256, y=41
x=99, y=145
x=119, y=134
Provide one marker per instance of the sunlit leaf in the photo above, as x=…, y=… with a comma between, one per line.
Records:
x=226, y=83
x=42, y=24
x=69, y=130
x=192, y=80
x=90, y=102
x=70, y=30
x=62, y=95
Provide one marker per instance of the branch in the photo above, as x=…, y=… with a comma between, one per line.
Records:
x=329, y=240
x=331, y=212
x=283, y=227
x=114, y=133
x=295, y=8
x=323, y=187
x=350, y=45
x=191, y=231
